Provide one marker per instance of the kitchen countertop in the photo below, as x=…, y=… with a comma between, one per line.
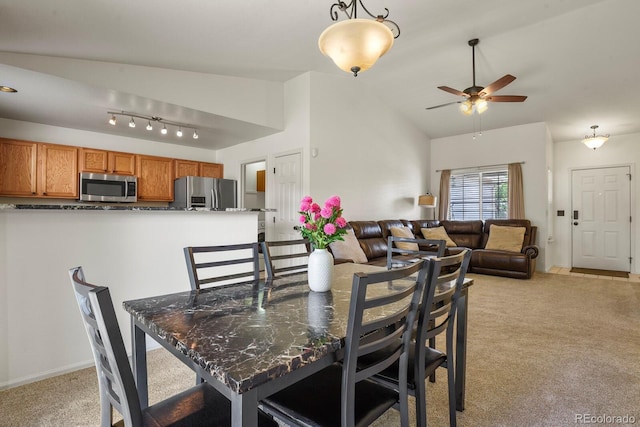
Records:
x=106, y=207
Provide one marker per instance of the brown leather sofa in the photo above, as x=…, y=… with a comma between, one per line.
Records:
x=372, y=237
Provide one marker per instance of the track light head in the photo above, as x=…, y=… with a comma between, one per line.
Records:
x=179, y=132
x=163, y=130
x=112, y=120
x=195, y=134
x=132, y=123
x=149, y=127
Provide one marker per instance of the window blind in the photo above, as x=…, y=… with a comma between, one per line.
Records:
x=479, y=195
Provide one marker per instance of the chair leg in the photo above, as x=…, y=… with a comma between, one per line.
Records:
x=421, y=401
x=432, y=344
x=451, y=386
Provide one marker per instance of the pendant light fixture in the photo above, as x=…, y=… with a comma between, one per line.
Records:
x=150, y=119
x=356, y=44
x=595, y=141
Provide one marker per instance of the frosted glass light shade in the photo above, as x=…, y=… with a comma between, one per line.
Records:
x=594, y=141
x=355, y=43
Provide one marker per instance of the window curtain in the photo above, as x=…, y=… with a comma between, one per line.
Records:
x=445, y=182
x=516, y=194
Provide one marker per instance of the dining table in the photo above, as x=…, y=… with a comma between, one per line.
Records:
x=253, y=339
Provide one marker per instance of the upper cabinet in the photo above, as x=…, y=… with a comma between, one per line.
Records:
x=101, y=161
x=212, y=170
x=186, y=168
x=58, y=166
x=155, y=178
x=193, y=168
x=31, y=169
x=18, y=165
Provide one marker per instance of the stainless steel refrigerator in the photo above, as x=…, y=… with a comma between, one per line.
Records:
x=201, y=192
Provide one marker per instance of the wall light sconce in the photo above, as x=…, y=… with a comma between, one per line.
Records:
x=356, y=44
x=149, y=119
x=595, y=141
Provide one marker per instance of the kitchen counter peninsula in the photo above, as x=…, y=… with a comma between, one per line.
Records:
x=121, y=207
x=137, y=251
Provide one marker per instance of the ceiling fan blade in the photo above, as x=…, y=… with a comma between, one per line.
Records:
x=453, y=91
x=497, y=85
x=506, y=98
x=443, y=105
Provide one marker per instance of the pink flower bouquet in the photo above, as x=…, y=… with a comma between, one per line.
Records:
x=322, y=225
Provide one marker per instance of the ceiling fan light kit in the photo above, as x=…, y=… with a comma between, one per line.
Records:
x=595, y=141
x=477, y=97
x=355, y=44
x=149, y=119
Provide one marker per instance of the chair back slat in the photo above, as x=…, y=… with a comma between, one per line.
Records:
x=427, y=248
x=283, y=257
x=115, y=380
x=223, y=264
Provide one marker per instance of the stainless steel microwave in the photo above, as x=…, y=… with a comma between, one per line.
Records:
x=98, y=187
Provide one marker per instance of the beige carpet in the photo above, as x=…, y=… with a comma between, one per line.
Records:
x=540, y=353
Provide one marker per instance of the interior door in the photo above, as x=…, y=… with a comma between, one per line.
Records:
x=601, y=218
x=288, y=189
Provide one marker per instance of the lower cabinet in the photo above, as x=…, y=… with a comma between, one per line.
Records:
x=155, y=178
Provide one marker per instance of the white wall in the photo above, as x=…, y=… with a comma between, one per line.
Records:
x=136, y=253
x=374, y=159
x=620, y=150
x=58, y=135
x=526, y=143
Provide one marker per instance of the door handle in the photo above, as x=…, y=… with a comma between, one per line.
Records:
x=575, y=222
x=575, y=214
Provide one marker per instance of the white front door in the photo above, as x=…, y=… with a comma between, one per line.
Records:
x=288, y=189
x=601, y=218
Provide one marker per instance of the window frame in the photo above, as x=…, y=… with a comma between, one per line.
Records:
x=479, y=194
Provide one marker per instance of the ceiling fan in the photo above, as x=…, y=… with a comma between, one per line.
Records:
x=476, y=97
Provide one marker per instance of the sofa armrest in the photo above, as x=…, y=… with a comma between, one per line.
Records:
x=531, y=251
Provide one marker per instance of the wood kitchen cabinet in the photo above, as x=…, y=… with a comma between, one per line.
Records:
x=102, y=161
x=18, y=166
x=31, y=169
x=155, y=178
x=193, y=168
x=186, y=168
x=57, y=171
x=212, y=170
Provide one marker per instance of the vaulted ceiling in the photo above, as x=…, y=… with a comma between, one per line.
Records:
x=576, y=60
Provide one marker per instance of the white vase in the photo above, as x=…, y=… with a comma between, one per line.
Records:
x=320, y=270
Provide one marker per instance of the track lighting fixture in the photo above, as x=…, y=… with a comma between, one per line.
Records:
x=150, y=119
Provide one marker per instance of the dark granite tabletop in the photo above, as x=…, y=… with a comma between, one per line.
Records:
x=246, y=335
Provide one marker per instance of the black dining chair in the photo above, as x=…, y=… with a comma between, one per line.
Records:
x=436, y=315
x=404, y=250
x=283, y=257
x=223, y=264
x=343, y=393
x=197, y=406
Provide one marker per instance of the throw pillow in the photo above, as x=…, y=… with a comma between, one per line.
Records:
x=348, y=249
x=404, y=232
x=505, y=238
x=438, y=233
